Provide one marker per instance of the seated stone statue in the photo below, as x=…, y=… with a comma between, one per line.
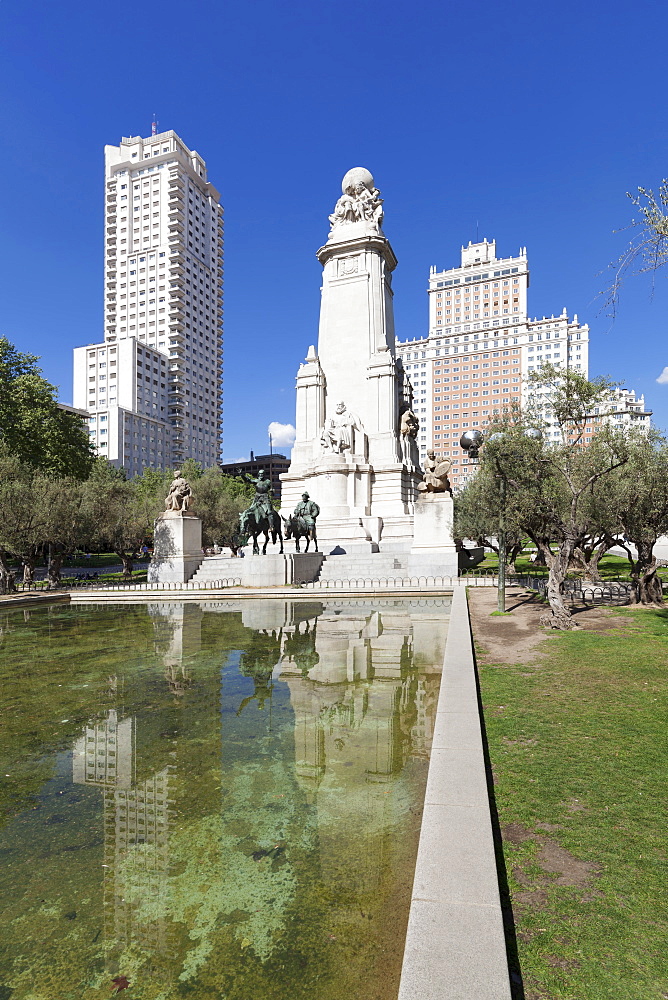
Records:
x=180, y=495
x=337, y=434
x=435, y=475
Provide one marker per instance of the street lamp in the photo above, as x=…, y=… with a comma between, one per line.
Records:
x=472, y=441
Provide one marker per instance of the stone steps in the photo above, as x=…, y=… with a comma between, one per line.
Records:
x=372, y=565
x=214, y=568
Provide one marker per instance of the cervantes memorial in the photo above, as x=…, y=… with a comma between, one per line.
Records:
x=355, y=453
x=355, y=450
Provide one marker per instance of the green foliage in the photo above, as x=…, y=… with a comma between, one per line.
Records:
x=37, y=510
x=32, y=425
x=558, y=494
x=119, y=515
x=572, y=396
x=219, y=500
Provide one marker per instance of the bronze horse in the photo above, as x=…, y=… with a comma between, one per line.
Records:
x=296, y=527
x=252, y=526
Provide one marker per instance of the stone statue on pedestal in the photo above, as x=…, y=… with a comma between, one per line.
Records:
x=180, y=495
x=435, y=475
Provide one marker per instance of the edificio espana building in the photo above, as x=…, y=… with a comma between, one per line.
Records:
x=153, y=386
x=480, y=348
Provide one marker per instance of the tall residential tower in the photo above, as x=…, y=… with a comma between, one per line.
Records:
x=153, y=388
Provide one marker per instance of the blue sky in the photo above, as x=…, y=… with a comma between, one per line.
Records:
x=529, y=120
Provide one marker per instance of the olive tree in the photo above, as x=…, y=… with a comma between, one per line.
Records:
x=117, y=516
x=554, y=492
x=643, y=511
x=479, y=513
x=39, y=513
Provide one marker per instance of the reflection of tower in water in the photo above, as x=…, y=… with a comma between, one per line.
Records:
x=136, y=831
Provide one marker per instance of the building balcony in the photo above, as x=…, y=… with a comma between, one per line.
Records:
x=175, y=225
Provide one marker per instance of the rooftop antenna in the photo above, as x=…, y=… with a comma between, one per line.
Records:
x=154, y=125
x=271, y=444
x=477, y=238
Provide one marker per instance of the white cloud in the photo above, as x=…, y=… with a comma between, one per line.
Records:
x=663, y=377
x=282, y=435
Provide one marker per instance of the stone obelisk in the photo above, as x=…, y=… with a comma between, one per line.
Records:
x=350, y=453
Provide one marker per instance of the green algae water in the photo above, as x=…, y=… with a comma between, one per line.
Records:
x=216, y=800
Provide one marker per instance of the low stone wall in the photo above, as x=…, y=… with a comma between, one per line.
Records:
x=455, y=945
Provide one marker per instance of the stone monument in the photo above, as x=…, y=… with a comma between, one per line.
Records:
x=355, y=443
x=433, y=548
x=177, y=538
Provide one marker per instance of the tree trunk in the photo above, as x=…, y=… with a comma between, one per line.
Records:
x=587, y=557
x=53, y=576
x=128, y=563
x=513, y=553
x=7, y=582
x=645, y=583
x=558, y=563
x=29, y=568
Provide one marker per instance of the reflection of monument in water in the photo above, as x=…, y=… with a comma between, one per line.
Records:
x=362, y=711
x=357, y=676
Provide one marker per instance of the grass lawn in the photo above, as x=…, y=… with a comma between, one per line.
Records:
x=610, y=567
x=579, y=750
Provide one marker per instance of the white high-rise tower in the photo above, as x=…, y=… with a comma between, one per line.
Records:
x=153, y=388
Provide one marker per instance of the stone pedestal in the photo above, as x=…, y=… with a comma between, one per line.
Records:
x=275, y=570
x=433, y=552
x=177, y=547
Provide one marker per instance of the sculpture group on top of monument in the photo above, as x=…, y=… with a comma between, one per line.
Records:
x=360, y=201
x=435, y=475
x=179, y=497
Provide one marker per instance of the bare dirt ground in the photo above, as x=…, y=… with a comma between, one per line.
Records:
x=518, y=637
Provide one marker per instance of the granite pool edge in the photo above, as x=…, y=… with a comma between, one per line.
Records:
x=455, y=947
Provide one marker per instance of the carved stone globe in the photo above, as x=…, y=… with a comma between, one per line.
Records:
x=471, y=440
x=355, y=176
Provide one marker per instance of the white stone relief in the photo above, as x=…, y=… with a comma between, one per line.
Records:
x=348, y=265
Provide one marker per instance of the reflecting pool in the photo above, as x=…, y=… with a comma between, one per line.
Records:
x=218, y=800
